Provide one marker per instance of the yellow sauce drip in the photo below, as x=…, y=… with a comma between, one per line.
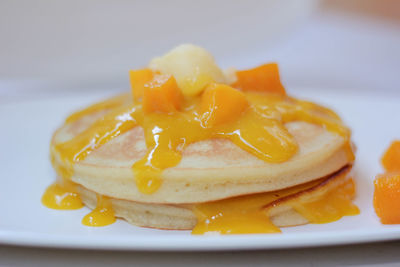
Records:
x=241, y=215
x=103, y=130
x=167, y=135
x=331, y=206
x=248, y=215
x=62, y=197
x=102, y=215
x=260, y=130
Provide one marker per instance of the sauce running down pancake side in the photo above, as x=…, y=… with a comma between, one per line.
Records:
x=250, y=214
x=259, y=130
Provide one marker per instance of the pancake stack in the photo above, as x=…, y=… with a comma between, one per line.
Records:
x=278, y=162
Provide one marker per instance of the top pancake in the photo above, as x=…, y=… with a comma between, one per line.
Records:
x=209, y=170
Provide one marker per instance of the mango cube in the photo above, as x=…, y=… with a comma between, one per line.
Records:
x=221, y=103
x=387, y=197
x=391, y=158
x=264, y=78
x=162, y=95
x=138, y=79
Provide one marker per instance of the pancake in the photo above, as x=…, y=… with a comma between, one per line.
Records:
x=209, y=170
x=281, y=211
x=192, y=149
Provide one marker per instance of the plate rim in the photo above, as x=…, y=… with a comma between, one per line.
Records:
x=201, y=243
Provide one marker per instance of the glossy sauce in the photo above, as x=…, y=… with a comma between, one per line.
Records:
x=249, y=215
x=61, y=197
x=331, y=206
x=260, y=130
x=102, y=215
x=241, y=215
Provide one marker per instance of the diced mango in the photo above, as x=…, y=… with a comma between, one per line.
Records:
x=138, y=79
x=221, y=103
x=387, y=198
x=192, y=66
x=264, y=78
x=162, y=95
x=391, y=158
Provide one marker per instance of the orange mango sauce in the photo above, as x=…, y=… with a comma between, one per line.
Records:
x=331, y=206
x=253, y=120
x=102, y=215
x=62, y=196
x=248, y=214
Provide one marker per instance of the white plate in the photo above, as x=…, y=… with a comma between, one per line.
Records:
x=26, y=128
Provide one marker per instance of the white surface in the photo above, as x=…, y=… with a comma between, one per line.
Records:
x=25, y=172
x=99, y=40
x=330, y=50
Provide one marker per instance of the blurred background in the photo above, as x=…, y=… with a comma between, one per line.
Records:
x=53, y=46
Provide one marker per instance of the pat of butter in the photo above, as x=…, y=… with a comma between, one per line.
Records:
x=192, y=66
